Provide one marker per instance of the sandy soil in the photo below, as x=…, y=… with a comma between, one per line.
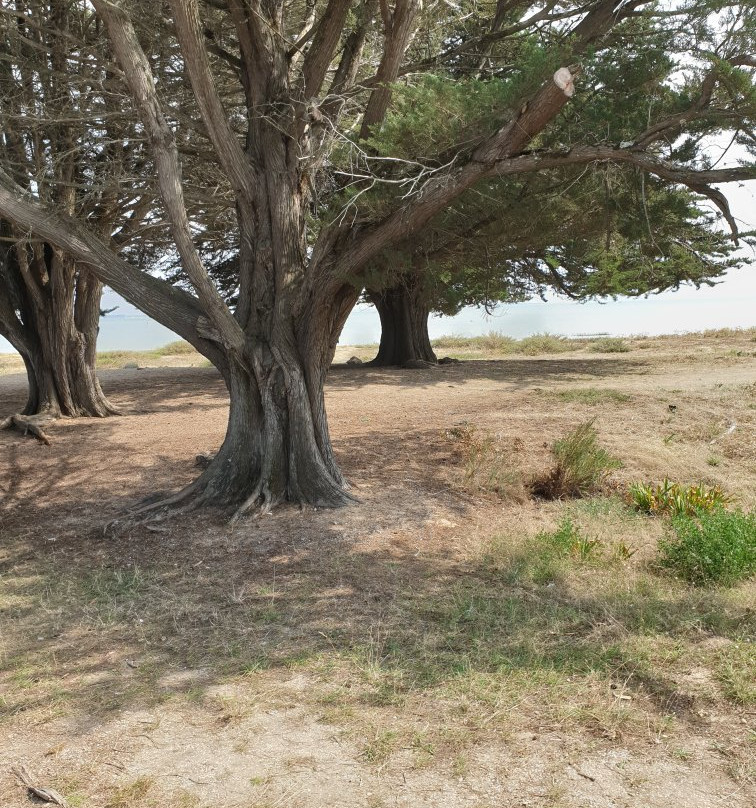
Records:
x=415, y=520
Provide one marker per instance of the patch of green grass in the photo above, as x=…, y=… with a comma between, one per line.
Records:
x=379, y=747
x=547, y=556
x=734, y=670
x=609, y=345
x=593, y=396
x=711, y=547
x=112, y=594
x=118, y=359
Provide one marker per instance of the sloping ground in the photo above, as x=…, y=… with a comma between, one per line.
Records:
x=410, y=650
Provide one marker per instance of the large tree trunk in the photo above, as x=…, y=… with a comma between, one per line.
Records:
x=51, y=316
x=404, y=325
x=277, y=446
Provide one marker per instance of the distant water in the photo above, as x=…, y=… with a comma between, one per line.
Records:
x=730, y=305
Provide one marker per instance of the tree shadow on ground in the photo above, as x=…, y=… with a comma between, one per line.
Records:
x=104, y=624
x=515, y=373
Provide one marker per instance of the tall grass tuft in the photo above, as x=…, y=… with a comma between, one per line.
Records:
x=487, y=466
x=581, y=468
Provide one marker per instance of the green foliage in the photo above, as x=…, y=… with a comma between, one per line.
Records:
x=672, y=498
x=711, y=547
x=581, y=468
x=598, y=231
x=434, y=113
x=567, y=540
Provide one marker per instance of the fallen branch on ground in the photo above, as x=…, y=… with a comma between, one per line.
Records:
x=44, y=794
x=27, y=424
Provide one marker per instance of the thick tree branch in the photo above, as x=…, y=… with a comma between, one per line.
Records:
x=323, y=47
x=230, y=153
x=172, y=307
x=140, y=81
x=397, y=38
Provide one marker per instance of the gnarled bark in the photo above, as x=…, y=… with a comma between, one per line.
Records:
x=277, y=447
x=50, y=312
x=404, y=324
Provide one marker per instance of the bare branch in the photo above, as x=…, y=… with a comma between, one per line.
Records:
x=323, y=47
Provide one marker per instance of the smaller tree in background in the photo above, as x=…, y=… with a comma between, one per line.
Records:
x=608, y=232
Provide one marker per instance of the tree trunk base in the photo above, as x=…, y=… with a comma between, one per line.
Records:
x=28, y=424
x=404, y=327
x=201, y=494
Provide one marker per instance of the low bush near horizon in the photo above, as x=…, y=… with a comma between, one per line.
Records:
x=179, y=346
x=496, y=342
x=610, y=345
x=546, y=343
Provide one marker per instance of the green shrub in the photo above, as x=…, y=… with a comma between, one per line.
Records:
x=711, y=547
x=672, y=498
x=610, y=345
x=545, y=343
x=581, y=469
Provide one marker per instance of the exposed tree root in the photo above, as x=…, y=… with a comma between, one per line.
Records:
x=28, y=424
x=261, y=494
x=201, y=494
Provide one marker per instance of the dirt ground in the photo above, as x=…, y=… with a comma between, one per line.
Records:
x=389, y=653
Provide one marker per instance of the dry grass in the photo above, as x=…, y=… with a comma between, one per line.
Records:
x=495, y=344
x=449, y=631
